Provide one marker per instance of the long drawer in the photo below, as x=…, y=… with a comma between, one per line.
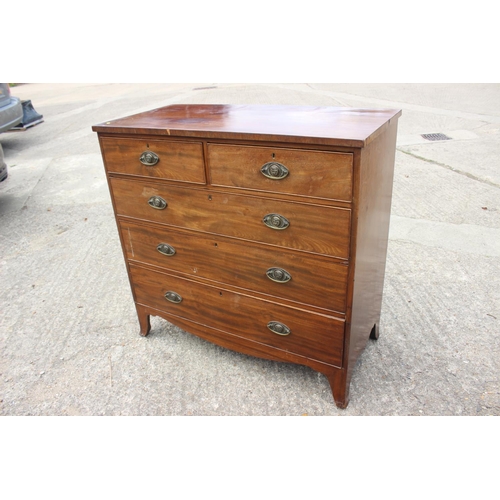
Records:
x=312, y=335
x=317, y=174
x=315, y=280
x=311, y=228
x=173, y=160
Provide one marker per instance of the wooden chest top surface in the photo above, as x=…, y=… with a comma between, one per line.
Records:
x=335, y=126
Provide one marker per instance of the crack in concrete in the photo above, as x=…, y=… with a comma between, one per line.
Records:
x=449, y=167
x=42, y=174
x=459, y=238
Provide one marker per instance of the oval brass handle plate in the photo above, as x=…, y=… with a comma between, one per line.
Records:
x=274, y=170
x=278, y=328
x=157, y=202
x=149, y=158
x=173, y=297
x=278, y=275
x=166, y=249
x=276, y=221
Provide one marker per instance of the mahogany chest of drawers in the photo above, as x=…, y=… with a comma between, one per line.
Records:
x=262, y=229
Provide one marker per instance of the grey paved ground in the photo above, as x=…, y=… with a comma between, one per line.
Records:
x=68, y=330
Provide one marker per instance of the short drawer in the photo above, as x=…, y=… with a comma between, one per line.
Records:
x=312, y=280
x=172, y=160
x=311, y=228
x=316, y=174
x=312, y=335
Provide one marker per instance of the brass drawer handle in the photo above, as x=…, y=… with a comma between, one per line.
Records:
x=166, y=249
x=278, y=328
x=278, y=275
x=157, y=202
x=149, y=158
x=173, y=297
x=274, y=170
x=276, y=221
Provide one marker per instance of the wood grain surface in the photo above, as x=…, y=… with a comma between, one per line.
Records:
x=311, y=173
x=312, y=335
x=370, y=241
x=322, y=230
x=180, y=161
x=336, y=126
x=316, y=281
x=230, y=340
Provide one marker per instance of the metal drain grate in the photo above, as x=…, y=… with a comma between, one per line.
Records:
x=436, y=137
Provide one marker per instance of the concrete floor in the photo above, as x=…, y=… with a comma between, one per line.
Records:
x=68, y=329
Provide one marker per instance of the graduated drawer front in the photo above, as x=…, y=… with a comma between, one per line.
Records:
x=323, y=230
x=315, y=280
x=316, y=174
x=315, y=336
x=177, y=161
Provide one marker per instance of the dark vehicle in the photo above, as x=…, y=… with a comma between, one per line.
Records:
x=3, y=166
x=11, y=109
x=11, y=114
